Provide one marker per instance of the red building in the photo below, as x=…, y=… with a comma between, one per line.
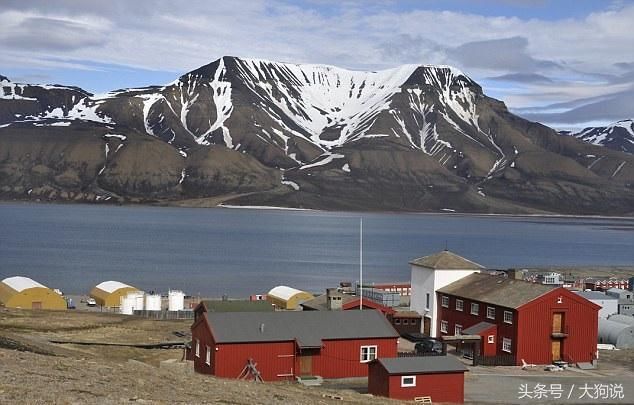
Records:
x=603, y=283
x=330, y=344
x=532, y=322
x=441, y=378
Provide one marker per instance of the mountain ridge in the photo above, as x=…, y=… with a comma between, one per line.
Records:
x=617, y=136
x=414, y=138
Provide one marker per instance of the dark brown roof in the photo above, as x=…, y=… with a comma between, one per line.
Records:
x=406, y=314
x=446, y=260
x=422, y=365
x=477, y=328
x=319, y=303
x=237, y=306
x=497, y=290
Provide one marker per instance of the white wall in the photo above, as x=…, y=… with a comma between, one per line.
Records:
x=427, y=281
x=608, y=307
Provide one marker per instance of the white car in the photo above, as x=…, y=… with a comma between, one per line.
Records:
x=91, y=302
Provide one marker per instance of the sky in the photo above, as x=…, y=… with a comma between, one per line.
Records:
x=566, y=63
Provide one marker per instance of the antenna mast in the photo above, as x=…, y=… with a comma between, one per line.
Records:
x=361, y=263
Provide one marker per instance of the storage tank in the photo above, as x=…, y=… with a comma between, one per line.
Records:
x=153, y=302
x=626, y=319
x=139, y=304
x=176, y=300
x=127, y=304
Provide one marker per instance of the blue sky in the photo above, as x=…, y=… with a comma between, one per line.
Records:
x=559, y=62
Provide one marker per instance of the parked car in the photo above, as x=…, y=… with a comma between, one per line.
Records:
x=428, y=345
x=91, y=302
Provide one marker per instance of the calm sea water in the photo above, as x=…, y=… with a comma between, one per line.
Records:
x=243, y=251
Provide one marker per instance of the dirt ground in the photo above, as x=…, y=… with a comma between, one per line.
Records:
x=33, y=370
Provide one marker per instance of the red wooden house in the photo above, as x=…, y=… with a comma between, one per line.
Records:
x=527, y=321
x=330, y=344
x=441, y=378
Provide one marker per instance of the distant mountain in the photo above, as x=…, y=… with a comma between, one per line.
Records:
x=618, y=136
x=255, y=132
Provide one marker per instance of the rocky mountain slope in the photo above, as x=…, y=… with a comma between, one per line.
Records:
x=254, y=132
x=618, y=136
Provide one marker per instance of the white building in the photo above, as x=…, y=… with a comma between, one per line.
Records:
x=609, y=304
x=430, y=273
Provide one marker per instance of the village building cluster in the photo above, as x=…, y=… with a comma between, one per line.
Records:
x=484, y=317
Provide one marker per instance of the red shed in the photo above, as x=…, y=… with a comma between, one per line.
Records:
x=441, y=378
x=526, y=321
x=330, y=344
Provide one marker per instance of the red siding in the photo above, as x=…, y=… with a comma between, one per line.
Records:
x=281, y=360
x=275, y=360
x=341, y=358
x=580, y=321
x=442, y=388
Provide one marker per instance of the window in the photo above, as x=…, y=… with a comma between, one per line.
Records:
x=445, y=301
x=506, y=345
x=491, y=339
x=459, y=305
x=405, y=322
x=457, y=330
x=368, y=353
x=197, y=348
x=412, y=321
x=508, y=317
x=408, y=381
x=491, y=312
x=475, y=308
x=397, y=321
x=444, y=325
x=427, y=301
x=208, y=356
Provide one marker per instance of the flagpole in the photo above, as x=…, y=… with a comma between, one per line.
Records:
x=361, y=263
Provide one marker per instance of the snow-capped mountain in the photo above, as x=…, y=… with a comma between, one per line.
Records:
x=416, y=137
x=618, y=136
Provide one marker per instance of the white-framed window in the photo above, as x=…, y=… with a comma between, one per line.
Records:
x=444, y=325
x=208, y=356
x=427, y=299
x=508, y=317
x=459, y=305
x=457, y=330
x=491, y=339
x=506, y=345
x=368, y=353
x=397, y=321
x=475, y=308
x=405, y=322
x=491, y=312
x=445, y=301
x=412, y=321
x=408, y=381
x=197, y=348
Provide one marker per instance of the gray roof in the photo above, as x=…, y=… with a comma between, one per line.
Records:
x=477, y=328
x=308, y=328
x=497, y=290
x=595, y=295
x=446, y=260
x=422, y=365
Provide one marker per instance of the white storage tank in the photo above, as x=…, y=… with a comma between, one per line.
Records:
x=140, y=298
x=176, y=300
x=127, y=304
x=153, y=302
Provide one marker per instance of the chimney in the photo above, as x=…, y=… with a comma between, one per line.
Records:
x=334, y=299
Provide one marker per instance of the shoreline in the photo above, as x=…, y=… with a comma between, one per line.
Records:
x=314, y=210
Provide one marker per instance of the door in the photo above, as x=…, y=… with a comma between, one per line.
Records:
x=556, y=350
x=306, y=364
x=557, y=322
x=426, y=326
x=36, y=305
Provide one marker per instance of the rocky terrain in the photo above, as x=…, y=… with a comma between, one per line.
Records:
x=617, y=136
x=254, y=132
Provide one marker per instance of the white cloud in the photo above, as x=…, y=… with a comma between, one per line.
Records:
x=181, y=35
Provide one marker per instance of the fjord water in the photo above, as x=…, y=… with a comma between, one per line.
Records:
x=246, y=251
